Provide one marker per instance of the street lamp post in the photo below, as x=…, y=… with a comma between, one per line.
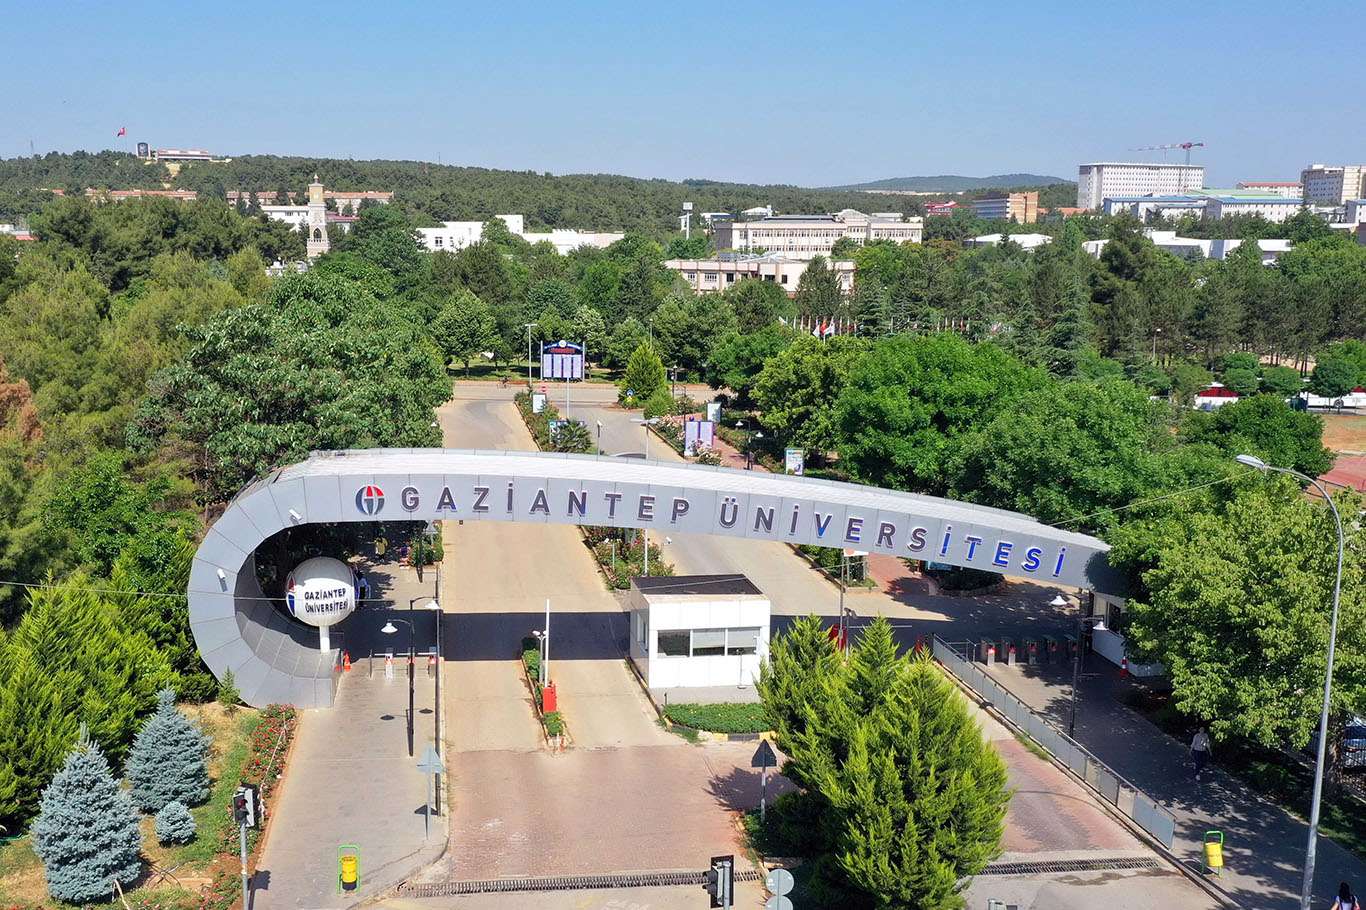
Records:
x=389, y=629
x=1311, y=850
x=1097, y=624
x=645, y=424
x=529, y=327
x=599, y=437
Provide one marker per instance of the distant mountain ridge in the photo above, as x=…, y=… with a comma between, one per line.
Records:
x=951, y=183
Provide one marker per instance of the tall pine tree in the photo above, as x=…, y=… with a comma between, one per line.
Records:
x=87, y=832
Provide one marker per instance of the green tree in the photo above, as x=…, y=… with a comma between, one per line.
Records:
x=464, y=327
x=644, y=375
x=1263, y=425
x=906, y=403
x=572, y=436
x=325, y=366
x=1236, y=606
x=1064, y=452
x=590, y=329
x=87, y=832
x=1350, y=350
x=1240, y=380
x=687, y=325
x=797, y=389
x=919, y=803
x=738, y=360
x=167, y=761
x=1282, y=381
x=1333, y=377
x=757, y=304
x=626, y=337
x=818, y=290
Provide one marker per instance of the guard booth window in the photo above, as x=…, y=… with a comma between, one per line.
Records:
x=708, y=642
x=742, y=641
x=673, y=643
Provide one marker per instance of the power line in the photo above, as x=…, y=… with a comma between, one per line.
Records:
x=1144, y=502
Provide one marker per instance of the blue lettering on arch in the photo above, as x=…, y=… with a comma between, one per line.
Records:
x=1033, y=557
x=973, y=541
x=1002, y=557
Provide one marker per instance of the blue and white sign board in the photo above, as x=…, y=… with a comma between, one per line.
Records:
x=537, y=402
x=561, y=360
x=794, y=461
x=714, y=411
x=697, y=435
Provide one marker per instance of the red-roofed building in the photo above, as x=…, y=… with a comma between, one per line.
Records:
x=941, y=208
x=1216, y=396
x=125, y=195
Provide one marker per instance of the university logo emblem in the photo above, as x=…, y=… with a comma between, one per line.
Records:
x=370, y=499
x=289, y=593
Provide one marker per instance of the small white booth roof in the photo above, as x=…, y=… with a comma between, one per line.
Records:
x=699, y=638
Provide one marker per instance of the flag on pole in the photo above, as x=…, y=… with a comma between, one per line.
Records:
x=818, y=329
x=827, y=329
x=123, y=131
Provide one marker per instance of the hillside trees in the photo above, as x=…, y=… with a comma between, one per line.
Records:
x=325, y=366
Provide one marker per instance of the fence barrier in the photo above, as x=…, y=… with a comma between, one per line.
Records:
x=1100, y=777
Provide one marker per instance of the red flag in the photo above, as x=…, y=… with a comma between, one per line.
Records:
x=123, y=131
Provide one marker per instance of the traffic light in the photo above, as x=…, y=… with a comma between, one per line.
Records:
x=720, y=880
x=244, y=806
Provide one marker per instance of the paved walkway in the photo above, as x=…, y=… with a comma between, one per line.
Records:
x=1264, y=851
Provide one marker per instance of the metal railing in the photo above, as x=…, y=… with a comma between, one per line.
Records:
x=1097, y=775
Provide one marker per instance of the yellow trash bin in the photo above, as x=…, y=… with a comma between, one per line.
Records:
x=348, y=858
x=1214, y=851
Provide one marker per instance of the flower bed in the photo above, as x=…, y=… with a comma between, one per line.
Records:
x=623, y=559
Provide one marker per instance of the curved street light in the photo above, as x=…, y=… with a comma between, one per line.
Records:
x=1311, y=851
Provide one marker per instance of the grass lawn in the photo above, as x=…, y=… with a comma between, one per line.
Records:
x=21, y=872
x=724, y=718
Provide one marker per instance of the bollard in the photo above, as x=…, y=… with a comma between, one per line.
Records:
x=1032, y=654
x=1010, y=657
x=991, y=656
x=346, y=661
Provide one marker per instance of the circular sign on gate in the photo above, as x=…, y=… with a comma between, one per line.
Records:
x=321, y=591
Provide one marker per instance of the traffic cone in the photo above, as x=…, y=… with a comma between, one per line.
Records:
x=346, y=661
x=1123, y=668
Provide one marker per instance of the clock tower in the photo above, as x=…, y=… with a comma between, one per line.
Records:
x=317, y=220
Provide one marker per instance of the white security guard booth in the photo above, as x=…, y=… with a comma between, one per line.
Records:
x=699, y=631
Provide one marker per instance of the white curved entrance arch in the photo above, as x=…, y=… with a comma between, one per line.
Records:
x=237, y=628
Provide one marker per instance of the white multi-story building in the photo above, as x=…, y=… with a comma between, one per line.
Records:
x=723, y=271
x=1287, y=188
x=1272, y=208
x=806, y=236
x=1199, y=247
x=456, y=235
x=1102, y=179
x=1326, y=184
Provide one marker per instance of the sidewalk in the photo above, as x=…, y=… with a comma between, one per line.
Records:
x=1264, y=844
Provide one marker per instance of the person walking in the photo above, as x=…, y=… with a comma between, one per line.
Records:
x=1200, y=750
x=1345, y=900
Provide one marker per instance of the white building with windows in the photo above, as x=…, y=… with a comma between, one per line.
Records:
x=723, y=271
x=699, y=632
x=1102, y=179
x=807, y=236
x=456, y=235
x=1328, y=184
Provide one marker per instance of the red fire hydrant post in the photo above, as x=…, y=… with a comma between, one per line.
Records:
x=549, y=702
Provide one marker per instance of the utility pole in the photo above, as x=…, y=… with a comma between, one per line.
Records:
x=529, y=327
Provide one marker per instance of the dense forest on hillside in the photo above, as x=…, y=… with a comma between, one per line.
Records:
x=438, y=192
x=954, y=183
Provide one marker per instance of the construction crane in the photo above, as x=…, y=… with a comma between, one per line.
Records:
x=1187, y=146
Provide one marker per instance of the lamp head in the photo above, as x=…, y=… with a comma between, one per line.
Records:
x=389, y=628
x=1058, y=601
x=433, y=605
x=1252, y=461
x=1100, y=626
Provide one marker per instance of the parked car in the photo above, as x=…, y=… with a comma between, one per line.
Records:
x=1354, y=745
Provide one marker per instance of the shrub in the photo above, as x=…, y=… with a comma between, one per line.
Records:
x=228, y=696
x=659, y=403
x=1242, y=381
x=174, y=824
x=86, y=832
x=709, y=456
x=554, y=724
x=1238, y=361
x=166, y=763
x=720, y=718
x=1282, y=381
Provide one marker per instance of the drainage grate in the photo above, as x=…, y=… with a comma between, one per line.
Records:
x=1069, y=865
x=566, y=883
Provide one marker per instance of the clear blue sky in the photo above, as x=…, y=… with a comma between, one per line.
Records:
x=789, y=92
